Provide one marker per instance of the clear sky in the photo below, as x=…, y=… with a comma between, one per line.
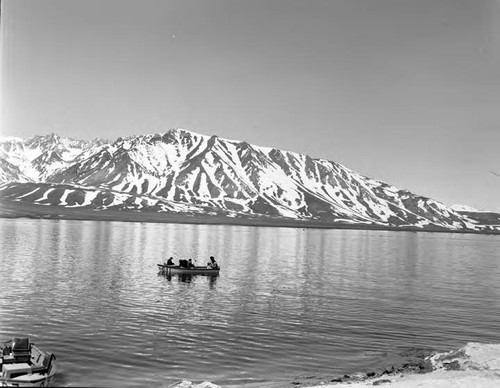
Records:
x=406, y=91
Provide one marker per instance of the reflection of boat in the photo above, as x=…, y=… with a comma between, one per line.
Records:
x=25, y=365
x=176, y=270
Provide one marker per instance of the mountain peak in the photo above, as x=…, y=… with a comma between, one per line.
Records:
x=185, y=133
x=182, y=131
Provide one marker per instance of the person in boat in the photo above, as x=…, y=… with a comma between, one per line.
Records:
x=190, y=263
x=212, y=263
x=170, y=261
x=183, y=263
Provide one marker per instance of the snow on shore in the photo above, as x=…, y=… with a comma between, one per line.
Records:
x=438, y=379
x=475, y=365
x=189, y=384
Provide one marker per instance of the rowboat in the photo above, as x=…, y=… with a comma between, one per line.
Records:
x=24, y=365
x=197, y=270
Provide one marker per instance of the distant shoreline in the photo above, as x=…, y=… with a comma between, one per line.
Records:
x=11, y=209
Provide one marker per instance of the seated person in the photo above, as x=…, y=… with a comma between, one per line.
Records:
x=190, y=263
x=212, y=263
x=170, y=261
x=183, y=263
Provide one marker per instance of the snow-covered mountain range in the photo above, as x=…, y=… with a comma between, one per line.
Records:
x=185, y=173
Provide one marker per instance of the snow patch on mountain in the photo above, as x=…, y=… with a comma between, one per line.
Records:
x=463, y=208
x=41, y=156
x=45, y=196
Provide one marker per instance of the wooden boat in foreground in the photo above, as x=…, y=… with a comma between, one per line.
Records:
x=23, y=364
x=176, y=270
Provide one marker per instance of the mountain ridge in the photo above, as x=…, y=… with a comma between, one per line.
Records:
x=210, y=175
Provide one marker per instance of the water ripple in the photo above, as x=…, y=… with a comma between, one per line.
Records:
x=288, y=302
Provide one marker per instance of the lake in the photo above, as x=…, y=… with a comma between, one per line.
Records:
x=289, y=304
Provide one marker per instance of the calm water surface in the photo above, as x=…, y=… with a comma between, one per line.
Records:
x=289, y=303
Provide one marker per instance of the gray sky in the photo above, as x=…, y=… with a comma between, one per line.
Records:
x=406, y=91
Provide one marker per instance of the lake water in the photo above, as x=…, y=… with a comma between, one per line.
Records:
x=289, y=303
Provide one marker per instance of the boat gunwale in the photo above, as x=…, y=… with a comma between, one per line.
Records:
x=197, y=270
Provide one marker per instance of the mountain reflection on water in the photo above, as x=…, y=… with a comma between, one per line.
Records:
x=288, y=303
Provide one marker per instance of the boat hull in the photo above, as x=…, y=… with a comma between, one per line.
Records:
x=31, y=380
x=22, y=364
x=176, y=270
